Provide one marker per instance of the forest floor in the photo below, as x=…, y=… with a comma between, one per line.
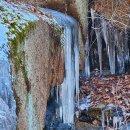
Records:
x=108, y=94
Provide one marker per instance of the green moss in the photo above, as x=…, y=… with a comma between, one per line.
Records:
x=2, y=8
x=5, y=20
x=27, y=82
x=18, y=31
x=16, y=54
x=15, y=43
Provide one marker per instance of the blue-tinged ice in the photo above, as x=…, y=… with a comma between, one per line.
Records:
x=70, y=85
x=87, y=63
x=10, y=12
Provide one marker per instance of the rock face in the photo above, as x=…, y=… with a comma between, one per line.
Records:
x=42, y=58
x=75, y=8
x=32, y=59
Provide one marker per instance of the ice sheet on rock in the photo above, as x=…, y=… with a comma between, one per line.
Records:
x=3, y=42
x=20, y=9
x=6, y=93
x=7, y=103
x=7, y=120
x=70, y=85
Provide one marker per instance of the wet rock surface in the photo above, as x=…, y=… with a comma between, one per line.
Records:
x=32, y=85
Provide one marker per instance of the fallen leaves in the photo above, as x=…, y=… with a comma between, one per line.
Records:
x=107, y=90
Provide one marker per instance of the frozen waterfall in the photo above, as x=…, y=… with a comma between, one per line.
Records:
x=70, y=85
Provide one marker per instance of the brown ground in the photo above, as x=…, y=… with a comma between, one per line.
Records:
x=106, y=90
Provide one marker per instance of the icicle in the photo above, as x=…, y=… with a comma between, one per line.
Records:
x=101, y=27
x=57, y=100
x=111, y=51
x=57, y=93
x=122, y=49
x=126, y=48
x=76, y=52
x=107, y=121
x=107, y=31
x=117, y=121
x=71, y=79
x=60, y=102
x=93, y=16
x=7, y=102
x=103, y=120
x=120, y=52
x=68, y=93
x=87, y=63
x=96, y=26
x=116, y=43
x=99, y=45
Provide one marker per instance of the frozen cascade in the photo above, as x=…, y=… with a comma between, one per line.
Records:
x=7, y=102
x=116, y=45
x=70, y=84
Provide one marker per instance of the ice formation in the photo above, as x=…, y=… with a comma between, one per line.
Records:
x=8, y=13
x=116, y=44
x=70, y=85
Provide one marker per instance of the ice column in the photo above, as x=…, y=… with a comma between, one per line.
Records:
x=70, y=85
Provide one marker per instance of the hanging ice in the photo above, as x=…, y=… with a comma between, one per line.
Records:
x=87, y=64
x=101, y=29
x=116, y=43
x=122, y=49
x=111, y=49
x=110, y=44
x=97, y=28
x=71, y=80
